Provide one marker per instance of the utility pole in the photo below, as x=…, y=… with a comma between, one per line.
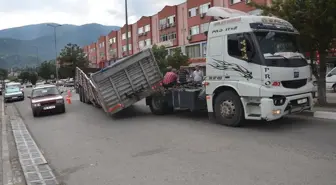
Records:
x=126, y=17
x=55, y=26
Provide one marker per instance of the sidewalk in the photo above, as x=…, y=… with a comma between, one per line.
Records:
x=324, y=112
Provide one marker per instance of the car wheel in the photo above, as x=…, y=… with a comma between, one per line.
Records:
x=229, y=110
x=35, y=114
x=63, y=109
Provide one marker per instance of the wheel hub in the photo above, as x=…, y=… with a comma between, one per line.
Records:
x=227, y=109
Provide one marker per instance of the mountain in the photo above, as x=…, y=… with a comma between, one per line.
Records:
x=20, y=46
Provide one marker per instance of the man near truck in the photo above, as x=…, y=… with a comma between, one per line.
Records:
x=170, y=78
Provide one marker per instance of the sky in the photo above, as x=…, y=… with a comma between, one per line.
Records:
x=15, y=13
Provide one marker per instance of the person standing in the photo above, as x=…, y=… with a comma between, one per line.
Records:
x=183, y=73
x=198, y=75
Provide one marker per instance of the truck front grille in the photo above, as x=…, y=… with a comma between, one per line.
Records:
x=294, y=84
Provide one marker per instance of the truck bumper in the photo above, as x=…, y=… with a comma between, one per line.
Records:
x=273, y=108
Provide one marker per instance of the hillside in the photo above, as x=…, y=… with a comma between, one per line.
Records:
x=18, y=45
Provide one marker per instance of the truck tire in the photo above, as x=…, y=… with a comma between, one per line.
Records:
x=334, y=88
x=158, y=106
x=229, y=110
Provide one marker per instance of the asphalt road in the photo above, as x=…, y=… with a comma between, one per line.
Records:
x=85, y=147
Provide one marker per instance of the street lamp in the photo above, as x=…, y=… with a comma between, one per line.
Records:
x=37, y=54
x=126, y=16
x=55, y=26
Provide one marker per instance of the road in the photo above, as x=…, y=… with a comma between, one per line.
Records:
x=85, y=147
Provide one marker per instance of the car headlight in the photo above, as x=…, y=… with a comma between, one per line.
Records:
x=36, y=104
x=60, y=101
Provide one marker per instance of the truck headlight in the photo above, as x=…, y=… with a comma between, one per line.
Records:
x=36, y=104
x=60, y=101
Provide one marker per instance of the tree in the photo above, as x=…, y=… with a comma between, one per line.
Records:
x=33, y=77
x=72, y=56
x=316, y=22
x=24, y=76
x=160, y=53
x=3, y=74
x=46, y=69
x=177, y=59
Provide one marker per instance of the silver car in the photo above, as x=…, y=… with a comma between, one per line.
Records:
x=13, y=94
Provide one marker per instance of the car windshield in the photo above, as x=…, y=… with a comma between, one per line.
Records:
x=12, y=90
x=13, y=85
x=272, y=43
x=46, y=91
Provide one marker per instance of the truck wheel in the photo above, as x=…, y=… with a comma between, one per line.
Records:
x=334, y=88
x=229, y=110
x=158, y=106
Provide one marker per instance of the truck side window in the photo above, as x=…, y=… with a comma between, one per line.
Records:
x=233, y=47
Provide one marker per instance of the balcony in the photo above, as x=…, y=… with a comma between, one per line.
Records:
x=166, y=26
x=168, y=43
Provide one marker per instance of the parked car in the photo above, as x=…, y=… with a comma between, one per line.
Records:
x=15, y=84
x=69, y=83
x=29, y=85
x=46, y=98
x=13, y=94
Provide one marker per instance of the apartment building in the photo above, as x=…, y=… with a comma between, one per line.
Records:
x=179, y=26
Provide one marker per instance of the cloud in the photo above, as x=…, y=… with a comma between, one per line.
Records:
x=108, y=12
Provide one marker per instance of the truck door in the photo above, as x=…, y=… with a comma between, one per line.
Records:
x=242, y=65
x=215, y=55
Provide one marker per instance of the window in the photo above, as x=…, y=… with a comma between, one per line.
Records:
x=163, y=38
x=204, y=8
x=110, y=41
x=123, y=36
x=141, y=44
x=163, y=21
x=148, y=42
x=233, y=46
x=235, y=1
x=147, y=28
x=130, y=46
x=102, y=54
x=332, y=72
x=204, y=27
x=172, y=36
x=129, y=34
x=103, y=44
x=171, y=19
x=114, y=40
x=166, y=37
x=140, y=30
x=194, y=30
x=124, y=48
x=193, y=12
x=193, y=51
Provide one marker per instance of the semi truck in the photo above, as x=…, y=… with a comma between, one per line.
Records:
x=255, y=70
x=121, y=84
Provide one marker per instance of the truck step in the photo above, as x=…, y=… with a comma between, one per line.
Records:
x=254, y=115
x=253, y=103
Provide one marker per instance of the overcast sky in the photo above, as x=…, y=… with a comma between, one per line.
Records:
x=14, y=13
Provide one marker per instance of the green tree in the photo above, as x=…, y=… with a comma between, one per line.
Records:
x=316, y=22
x=33, y=77
x=177, y=59
x=3, y=74
x=46, y=69
x=160, y=53
x=24, y=76
x=72, y=56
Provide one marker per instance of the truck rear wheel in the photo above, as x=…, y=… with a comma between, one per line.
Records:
x=229, y=110
x=159, y=106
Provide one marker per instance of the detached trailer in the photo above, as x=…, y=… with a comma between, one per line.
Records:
x=121, y=84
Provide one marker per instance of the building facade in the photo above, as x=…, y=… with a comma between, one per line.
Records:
x=179, y=26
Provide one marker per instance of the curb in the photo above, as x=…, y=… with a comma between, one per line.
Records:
x=320, y=114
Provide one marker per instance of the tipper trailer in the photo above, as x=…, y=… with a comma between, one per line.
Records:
x=254, y=71
x=123, y=83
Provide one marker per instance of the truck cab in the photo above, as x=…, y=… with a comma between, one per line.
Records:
x=254, y=71
x=258, y=61
x=331, y=80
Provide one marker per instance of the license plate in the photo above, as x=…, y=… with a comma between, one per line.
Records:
x=14, y=97
x=49, y=107
x=302, y=101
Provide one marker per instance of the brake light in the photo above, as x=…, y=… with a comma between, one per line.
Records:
x=276, y=84
x=115, y=107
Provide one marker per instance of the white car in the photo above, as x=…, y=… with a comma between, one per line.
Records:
x=331, y=80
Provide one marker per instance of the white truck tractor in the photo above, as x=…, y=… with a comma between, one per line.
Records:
x=254, y=71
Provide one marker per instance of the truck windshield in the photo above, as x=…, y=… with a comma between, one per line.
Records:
x=280, y=49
